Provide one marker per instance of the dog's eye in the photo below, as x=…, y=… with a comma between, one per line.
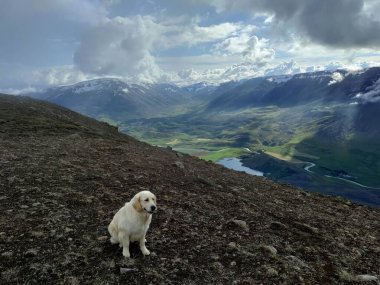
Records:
x=147, y=199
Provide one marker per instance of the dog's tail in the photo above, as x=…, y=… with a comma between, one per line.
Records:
x=112, y=229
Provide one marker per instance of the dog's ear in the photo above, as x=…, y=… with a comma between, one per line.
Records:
x=137, y=204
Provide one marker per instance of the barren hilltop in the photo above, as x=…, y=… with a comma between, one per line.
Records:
x=63, y=176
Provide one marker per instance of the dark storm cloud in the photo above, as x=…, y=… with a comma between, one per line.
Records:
x=336, y=23
x=340, y=23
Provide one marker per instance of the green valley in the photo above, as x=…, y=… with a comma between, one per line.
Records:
x=291, y=137
x=277, y=125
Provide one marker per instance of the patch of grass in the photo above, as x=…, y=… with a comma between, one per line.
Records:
x=360, y=159
x=223, y=153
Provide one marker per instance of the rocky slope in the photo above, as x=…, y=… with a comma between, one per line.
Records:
x=63, y=176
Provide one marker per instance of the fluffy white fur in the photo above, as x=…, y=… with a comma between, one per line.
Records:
x=132, y=221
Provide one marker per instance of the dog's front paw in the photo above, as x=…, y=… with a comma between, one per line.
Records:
x=145, y=251
x=126, y=253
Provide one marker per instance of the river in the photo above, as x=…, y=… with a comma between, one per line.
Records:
x=310, y=165
x=236, y=164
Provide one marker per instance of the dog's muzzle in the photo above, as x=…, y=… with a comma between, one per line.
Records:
x=152, y=209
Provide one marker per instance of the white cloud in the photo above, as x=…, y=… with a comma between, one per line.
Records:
x=336, y=77
x=120, y=46
x=150, y=40
x=258, y=52
x=22, y=79
x=58, y=75
x=236, y=44
x=124, y=46
x=339, y=23
x=251, y=48
x=194, y=34
x=372, y=95
x=13, y=91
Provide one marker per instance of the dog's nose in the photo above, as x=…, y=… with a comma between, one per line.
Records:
x=152, y=208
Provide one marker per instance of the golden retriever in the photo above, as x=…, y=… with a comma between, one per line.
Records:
x=132, y=221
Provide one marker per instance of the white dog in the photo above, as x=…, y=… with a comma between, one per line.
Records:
x=132, y=221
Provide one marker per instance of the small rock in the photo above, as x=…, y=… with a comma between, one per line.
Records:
x=127, y=270
x=129, y=262
x=346, y=277
x=31, y=252
x=233, y=263
x=111, y=264
x=232, y=245
x=36, y=204
x=246, y=253
x=277, y=226
x=306, y=228
x=36, y=234
x=241, y=224
x=179, y=164
x=214, y=257
x=73, y=280
x=102, y=238
x=7, y=254
x=295, y=261
x=270, y=249
x=366, y=277
x=97, y=249
x=218, y=266
x=24, y=207
x=205, y=181
x=271, y=272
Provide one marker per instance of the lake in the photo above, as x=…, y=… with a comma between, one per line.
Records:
x=235, y=164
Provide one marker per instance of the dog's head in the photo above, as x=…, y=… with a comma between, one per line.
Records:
x=145, y=201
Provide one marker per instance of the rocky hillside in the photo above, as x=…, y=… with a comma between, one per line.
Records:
x=63, y=176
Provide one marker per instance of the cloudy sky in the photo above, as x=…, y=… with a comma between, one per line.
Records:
x=56, y=42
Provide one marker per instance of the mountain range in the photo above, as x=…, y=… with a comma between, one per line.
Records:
x=328, y=118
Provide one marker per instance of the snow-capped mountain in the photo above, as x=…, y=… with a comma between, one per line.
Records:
x=116, y=99
x=248, y=70
x=285, y=68
x=290, y=90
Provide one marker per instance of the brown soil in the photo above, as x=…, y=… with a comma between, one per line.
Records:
x=63, y=176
